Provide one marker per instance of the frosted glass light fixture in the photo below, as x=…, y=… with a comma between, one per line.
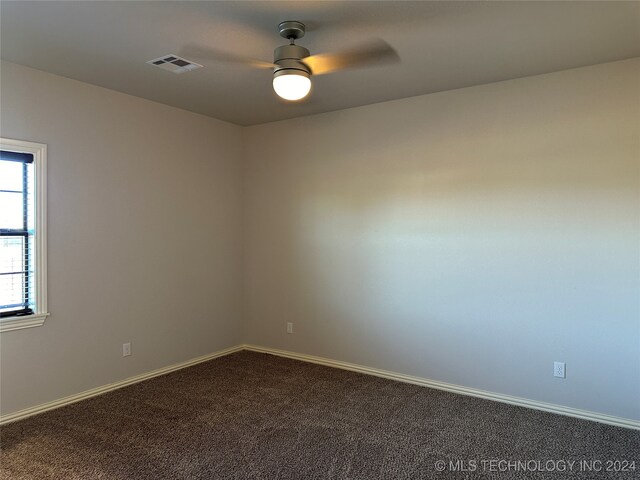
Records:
x=291, y=84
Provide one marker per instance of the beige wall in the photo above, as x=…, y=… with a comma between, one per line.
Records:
x=144, y=236
x=472, y=236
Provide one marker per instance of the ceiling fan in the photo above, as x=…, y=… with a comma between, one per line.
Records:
x=293, y=65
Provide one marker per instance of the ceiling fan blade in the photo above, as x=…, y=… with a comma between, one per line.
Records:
x=200, y=52
x=375, y=52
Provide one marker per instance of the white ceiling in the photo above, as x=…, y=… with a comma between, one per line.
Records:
x=442, y=46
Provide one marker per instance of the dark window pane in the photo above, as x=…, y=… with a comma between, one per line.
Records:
x=16, y=156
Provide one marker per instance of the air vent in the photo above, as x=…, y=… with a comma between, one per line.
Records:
x=174, y=63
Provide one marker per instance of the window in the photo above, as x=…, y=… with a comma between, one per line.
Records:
x=23, y=293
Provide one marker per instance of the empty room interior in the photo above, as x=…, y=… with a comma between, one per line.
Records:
x=319, y=240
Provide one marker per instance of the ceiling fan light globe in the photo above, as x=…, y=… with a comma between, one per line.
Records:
x=292, y=84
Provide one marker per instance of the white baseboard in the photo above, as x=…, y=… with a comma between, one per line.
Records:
x=522, y=402
x=499, y=397
x=27, y=412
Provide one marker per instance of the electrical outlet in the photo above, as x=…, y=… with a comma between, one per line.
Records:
x=289, y=327
x=126, y=349
x=558, y=370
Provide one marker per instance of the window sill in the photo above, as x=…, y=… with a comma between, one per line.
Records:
x=18, y=323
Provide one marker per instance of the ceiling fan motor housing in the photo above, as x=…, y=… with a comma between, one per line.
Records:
x=288, y=57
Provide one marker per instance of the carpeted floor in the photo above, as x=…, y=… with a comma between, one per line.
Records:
x=257, y=416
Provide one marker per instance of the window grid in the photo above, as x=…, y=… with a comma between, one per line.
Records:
x=26, y=274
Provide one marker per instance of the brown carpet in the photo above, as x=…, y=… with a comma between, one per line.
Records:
x=257, y=416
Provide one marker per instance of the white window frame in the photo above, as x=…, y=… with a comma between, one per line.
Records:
x=39, y=152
